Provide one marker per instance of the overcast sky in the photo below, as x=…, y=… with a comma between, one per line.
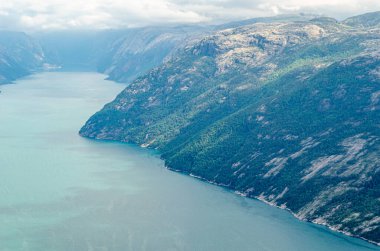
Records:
x=99, y=14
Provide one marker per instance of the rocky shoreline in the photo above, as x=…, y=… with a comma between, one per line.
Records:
x=283, y=207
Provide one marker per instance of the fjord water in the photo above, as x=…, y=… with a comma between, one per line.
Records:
x=59, y=191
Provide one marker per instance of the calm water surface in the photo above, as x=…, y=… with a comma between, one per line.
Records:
x=59, y=191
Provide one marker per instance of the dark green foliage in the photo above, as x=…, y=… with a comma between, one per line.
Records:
x=295, y=123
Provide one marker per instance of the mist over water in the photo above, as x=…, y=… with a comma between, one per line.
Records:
x=59, y=191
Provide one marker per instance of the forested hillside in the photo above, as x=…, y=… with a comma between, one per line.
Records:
x=285, y=111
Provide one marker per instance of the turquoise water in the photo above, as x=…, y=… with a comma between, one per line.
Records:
x=59, y=191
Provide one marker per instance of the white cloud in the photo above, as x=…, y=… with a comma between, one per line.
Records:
x=84, y=14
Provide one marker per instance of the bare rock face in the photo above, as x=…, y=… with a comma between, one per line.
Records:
x=287, y=112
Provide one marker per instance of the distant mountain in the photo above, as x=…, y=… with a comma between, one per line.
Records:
x=278, y=18
x=287, y=112
x=121, y=54
x=73, y=50
x=139, y=50
x=19, y=56
x=364, y=21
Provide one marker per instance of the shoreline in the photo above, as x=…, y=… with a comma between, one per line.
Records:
x=239, y=193
x=242, y=194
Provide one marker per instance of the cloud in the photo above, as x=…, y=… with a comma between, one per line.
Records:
x=100, y=14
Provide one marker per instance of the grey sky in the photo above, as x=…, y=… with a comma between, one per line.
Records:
x=98, y=14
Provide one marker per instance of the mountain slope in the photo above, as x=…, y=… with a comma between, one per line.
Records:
x=19, y=56
x=364, y=21
x=139, y=50
x=286, y=112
